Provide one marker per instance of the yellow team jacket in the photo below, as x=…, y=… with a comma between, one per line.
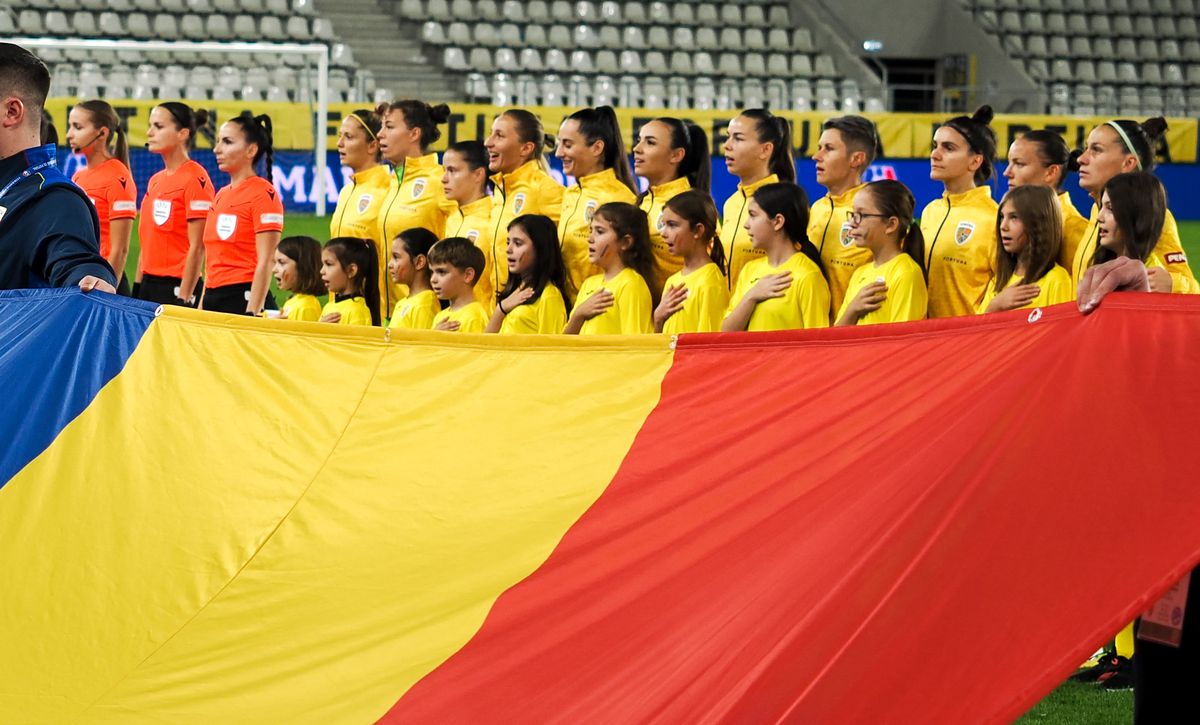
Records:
x=804, y=305
x=630, y=313
x=547, y=315
x=1169, y=249
x=738, y=248
x=357, y=210
x=415, y=312
x=474, y=222
x=1075, y=226
x=415, y=198
x=574, y=224
x=528, y=190
x=829, y=231
x=960, y=239
x=706, y=303
x=470, y=318
x=907, y=298
x=353, y=309
x=302, y=308
x=1054, y=287
x=652, y=203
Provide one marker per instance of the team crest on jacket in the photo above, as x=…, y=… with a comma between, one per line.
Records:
x=589, y=210
x=226, y=224
x=162, y=211
x=518, y=203
x=659, y=224
x=364, y=202
x=845, y=238
x=418, y=188
x=963, y=232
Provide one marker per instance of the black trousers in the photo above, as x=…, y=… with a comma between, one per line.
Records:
x=1166, y=680
x=163, y=290
x=232, y=298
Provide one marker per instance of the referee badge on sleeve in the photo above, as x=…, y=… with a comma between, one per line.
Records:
x=963, y=233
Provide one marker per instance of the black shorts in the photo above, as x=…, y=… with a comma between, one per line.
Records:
x=164, y=290
x=232, y=298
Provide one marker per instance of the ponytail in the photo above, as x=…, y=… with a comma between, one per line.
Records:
x=121, y=148
x=775, y=130
x=258, y=130
x=360, y=252
x=420, y=115
x=1052, y=151
x=696, y=165
x=600, y=124
x=186, y=118
x=895, y=200
x=630, y=221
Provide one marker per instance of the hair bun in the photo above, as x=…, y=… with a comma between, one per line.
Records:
x=381, y=109
x=440, y=113
x=1154, y=128
x=201, y=118
x=984, y=114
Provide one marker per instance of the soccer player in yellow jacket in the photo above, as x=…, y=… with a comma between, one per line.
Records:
x=1041, y=158
x=415, y=197
x=758, y=152
x=357, y=211
x=1123, y=146
x=959, y=228
x=673, y=156
x=465, y=184
x=592, y=150
x=516, y=157
x=846, y=148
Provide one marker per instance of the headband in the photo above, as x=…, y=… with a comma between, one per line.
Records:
x=363, y=123
x=1128, y=144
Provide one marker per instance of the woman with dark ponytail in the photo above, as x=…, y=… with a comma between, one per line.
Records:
x=1041, y=158
x=960, y=226
x=673, y=156
x=244, y=226
x=593, y=151
x=415, y=195
x=785, y=288
x=1117, y=147
x=92, y=129
x=465, y=183
x=891, y=288
x=174, y=210
x=758, y=152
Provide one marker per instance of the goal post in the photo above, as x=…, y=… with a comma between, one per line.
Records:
x=310, y=52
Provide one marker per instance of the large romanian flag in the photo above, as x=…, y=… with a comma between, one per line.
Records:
x=206, y=518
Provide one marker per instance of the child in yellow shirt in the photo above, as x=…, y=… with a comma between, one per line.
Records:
x=298, y=270
x=618, y=301
x=891, y=287
x=409, y=266
x=694, y=298
x=455, y=266
x=1130, y=222
x=785, y=289
x=531, y=303
x=1029, y=238
x=349, y=267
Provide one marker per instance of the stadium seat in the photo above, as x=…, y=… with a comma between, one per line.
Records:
x=658, y=38
x=556, y=59
x=610, y=12
x=166, y=27
x=433, y=32
x=1038, y=69
x=340, y=56
x=604, y=91
x=110, y=25
x=682, y=37
x=485, y=34
x=191, y=26
x=453, y=58
x=708, y=15
x=581, y=62
x=704, y=94
x=243, y=27
x=777, y=93
x=629, y=92
x=178, y=7
x=729, y=65
x=655, y=61
x=1173, y=73
x=553, y=90
x=874, y=104
x=754, y=38
x=606, y=61
x=490, y=10
x=271, y=28
x=632, y=37
x=531, y=59
x=30, y=23
x=585, y=36
x=731, y=38
x=537, y=11
x=681, y=63
x=777, y=65
x=731, y=15
x=753, y=16
x=560, y=36
x=480, y=60
x=654, y=93
x=535, y=36
x=631, y=61
x=510, y=35
x=439, y=10
x=216, y=27
x=477, y=87
x=579, y=91
x=506, y=59
x=562, y=12
x=322, y=29
x=753, y=94
x=679, y=95
x=729, y=94
x=754, y=64
x=778, y=17
x=824, y=67
x=683, y=14
x=280, y=8
x=412, y=9
x=462, y=10
x=1035, y=46
x=706, y=39
x=528, y=92
x=297, y=29
x=659, y=13
x=802, y=40
x=703, y=65
x=802, y=65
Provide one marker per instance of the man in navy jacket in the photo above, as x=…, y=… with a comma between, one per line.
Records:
x=49, y=233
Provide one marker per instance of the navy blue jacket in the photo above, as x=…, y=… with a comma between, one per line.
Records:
x=49, y=232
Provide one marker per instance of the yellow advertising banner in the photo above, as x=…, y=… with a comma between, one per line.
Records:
x=904, y=135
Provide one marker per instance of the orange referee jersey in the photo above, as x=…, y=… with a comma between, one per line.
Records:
x=173, y=198
x=239, y=213
x=111, y=188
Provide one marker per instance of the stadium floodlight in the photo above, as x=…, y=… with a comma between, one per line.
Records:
x=308, y=51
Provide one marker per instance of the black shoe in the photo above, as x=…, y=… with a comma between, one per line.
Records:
x=1119, y=679
x=1108, y=663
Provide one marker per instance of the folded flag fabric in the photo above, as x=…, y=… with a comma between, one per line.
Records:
x=205, y=516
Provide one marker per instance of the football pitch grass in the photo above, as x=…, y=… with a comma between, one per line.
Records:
x=1071, y=704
